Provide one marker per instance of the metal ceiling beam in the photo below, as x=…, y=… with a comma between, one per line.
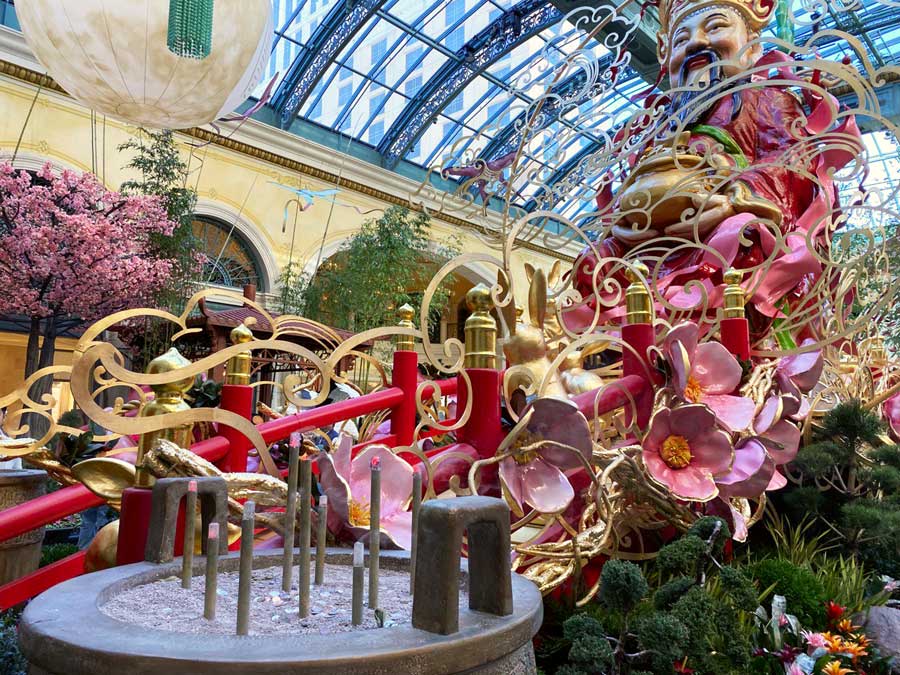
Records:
x=333, y=34
x=515, y=26
x=561, y=98
x=641, y=46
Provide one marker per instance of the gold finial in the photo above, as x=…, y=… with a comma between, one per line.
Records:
x=734, y=294
x=637, y=298
x=406, y=343
x=481, y=329
x=241, y=334
x=878, y=354
x=238, y=369
x=169, y=398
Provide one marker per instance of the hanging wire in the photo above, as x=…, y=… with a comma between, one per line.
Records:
x=27, y=118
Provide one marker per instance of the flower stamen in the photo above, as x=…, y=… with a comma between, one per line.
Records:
x=692, y=390
x=676, y=452
x=359, y=513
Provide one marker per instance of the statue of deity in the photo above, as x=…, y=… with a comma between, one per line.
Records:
x=738, y=168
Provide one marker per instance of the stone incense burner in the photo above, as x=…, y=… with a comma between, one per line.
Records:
x=65, y=631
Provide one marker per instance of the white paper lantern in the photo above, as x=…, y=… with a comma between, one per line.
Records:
x=158, y=63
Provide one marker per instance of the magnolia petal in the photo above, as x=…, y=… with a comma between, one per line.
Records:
x=778, y=481
x=712, y=452
x=687, y=334
x=783, y=441
x=749, y=458
x=692, y=484
x=396, y=477
x=751, y=485
x=804, y=369
x=337, y=490
x=398, y=527
x=735, y=412
x=691, y=420
x=680, y=361
x=771, y=412
x=511, y=477
x=342, y=456
x=891, y=411
x=715, y=369
x=560, y=421
x=660, y=429
x=546, y=488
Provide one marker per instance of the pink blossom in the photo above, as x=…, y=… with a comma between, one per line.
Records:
x=347, y=483
x=684, y=450
x=814, y=640
x=798, y=373
x=537, y=477
x=707, y=373
x=795, y=669
x=756, y=458
x=891, y=411
x=71, y=248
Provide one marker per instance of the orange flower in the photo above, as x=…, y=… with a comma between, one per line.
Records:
x=846, y=626
x=834, y=668
x=861, y=639
x=854, y=649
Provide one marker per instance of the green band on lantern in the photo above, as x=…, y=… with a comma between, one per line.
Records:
x=190, y=28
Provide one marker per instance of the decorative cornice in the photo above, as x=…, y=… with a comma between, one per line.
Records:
x=256, y=129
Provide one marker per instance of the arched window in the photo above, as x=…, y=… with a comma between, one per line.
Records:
x=228, y=258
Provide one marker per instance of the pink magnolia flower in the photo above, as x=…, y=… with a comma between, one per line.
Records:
x=891, y=411
x=347, y=483
x=707, y=373
x=798, y=373
x=537, y=477
x=756, y=458
x=684, y=450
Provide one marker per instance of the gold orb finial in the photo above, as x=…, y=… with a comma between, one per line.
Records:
x=166, y=363
x=478, y=299
x=241, y=334
x=406, y=343
x=733, y=276
x=635, y=271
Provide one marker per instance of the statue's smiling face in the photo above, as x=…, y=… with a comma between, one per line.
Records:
x=714, y=32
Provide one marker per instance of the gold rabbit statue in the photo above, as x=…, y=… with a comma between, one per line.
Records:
x=531, y=347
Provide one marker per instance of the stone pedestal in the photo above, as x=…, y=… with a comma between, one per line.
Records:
x=63, y=631
x=21, y=555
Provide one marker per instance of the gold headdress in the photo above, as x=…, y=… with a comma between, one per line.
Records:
x=757, y=14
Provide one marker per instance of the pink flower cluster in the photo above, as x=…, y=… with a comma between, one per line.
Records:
x=70, y=247
x=713, y=443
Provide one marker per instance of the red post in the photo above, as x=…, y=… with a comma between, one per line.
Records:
x=637, y=333
x=236, y=398
x=405, y=378
x=735, y=334
x=735, y=330
x=483, y=431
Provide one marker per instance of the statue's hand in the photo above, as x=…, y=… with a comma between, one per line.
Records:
x=714, y=209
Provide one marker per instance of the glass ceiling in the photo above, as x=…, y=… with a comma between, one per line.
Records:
x=418, y=81
x=391, y=74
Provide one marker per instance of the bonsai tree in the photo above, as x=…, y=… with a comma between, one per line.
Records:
x=850, y=480
x=691, y=623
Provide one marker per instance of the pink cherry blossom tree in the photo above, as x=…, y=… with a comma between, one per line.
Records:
x=72, y=251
